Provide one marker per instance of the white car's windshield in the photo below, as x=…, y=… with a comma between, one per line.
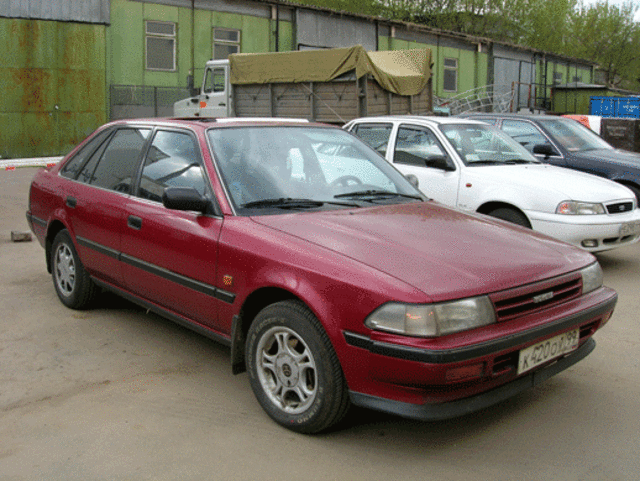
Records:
x=271, y=168
x=478, y=144
x=574, y=136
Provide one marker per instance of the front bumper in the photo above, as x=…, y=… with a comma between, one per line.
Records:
x=604, y=229
x=414, y=382
x=452, y=409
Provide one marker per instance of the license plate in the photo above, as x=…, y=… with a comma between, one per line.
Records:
x=544, y=351
x=630, y=228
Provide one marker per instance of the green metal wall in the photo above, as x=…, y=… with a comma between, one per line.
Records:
x=566, y=101
x=52, y=79
x=126, y=38
x=545, y=70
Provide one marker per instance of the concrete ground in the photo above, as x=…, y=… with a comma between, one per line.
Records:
x=115, y=393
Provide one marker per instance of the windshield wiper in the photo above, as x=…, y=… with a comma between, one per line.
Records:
x=483, y=162
x=519, y=161
x=290, y=203
x=376, y=194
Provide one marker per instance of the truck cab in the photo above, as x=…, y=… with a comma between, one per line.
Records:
x=214, y=99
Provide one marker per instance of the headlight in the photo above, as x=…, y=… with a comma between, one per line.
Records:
x=571, y=207
x=431, y=320
x=591, y=278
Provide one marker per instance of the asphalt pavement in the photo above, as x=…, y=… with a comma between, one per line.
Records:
x=116, y=393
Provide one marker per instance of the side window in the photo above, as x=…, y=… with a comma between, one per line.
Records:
x=215, y=80
x=117, y=167
x=74, y=165
x=377, y=136
x=173, y=161
x=420, y=148
x=450, y=83
x=524, y=133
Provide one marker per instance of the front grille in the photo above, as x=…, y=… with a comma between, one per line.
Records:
x=619, y=207
x=535, y=297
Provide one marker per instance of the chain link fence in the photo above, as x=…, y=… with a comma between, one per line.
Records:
x=137, y=101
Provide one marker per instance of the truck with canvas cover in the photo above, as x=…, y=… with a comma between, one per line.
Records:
x=332, y=85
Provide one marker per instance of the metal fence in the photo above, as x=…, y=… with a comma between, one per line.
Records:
x=138, y=101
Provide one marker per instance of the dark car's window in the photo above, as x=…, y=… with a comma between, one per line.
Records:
x=419, y=147
x=73, y=166
x=524, y=133
x=376, y=135
x=173, y=160
x=574, y=136
x=117, y=166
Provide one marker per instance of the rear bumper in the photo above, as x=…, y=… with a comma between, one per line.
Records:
x=452, y=409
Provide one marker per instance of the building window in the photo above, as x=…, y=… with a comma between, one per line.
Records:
x=161, y=45
x=225, y=42
x=450, y=75
x=557, y=77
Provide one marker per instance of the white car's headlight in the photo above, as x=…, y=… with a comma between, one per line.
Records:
x=591, y=278
x=431, y=320
x=572, y=207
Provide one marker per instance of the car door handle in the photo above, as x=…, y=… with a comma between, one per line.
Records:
x=71, y=202
x=134, y=222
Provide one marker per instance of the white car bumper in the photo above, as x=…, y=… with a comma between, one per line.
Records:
x=591, y=232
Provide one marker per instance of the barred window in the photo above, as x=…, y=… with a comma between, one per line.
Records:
x=225, y=42
x=161, y=45
x=450, y=83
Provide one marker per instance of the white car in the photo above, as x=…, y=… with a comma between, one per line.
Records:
x=474, y=167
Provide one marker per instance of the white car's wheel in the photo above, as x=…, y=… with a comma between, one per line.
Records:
x=511, y=215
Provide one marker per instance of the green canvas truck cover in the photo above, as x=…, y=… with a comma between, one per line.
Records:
x=403, y=72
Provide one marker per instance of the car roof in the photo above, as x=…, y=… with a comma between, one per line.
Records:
x=432, y=119
x=508, y=115
x=208, y=122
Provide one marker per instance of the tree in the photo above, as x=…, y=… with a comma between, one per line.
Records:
x=607, y=34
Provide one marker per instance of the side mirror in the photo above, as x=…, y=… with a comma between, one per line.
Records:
x=413, y=180
x=184, y=198
x=544, y=149
x=439, y=162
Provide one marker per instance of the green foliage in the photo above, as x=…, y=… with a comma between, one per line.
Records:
x=607, y=34
x=364, y=7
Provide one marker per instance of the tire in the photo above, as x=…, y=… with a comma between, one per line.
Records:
x=293, y=370
x=511, y=215
x=73, y=284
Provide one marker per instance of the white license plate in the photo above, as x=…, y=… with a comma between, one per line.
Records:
x=546, y=350
x=630, y=228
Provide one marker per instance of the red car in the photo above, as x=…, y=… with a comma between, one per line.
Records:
x=330, y=276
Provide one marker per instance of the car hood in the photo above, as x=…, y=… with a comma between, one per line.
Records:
x=441, y=251
x=617, y=156
x=567, y=184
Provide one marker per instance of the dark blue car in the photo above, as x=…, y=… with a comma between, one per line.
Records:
x=567, y=143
